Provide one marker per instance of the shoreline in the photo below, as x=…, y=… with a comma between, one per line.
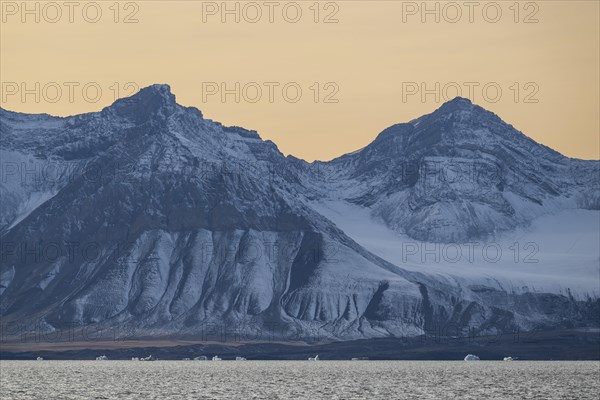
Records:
x=563, y=345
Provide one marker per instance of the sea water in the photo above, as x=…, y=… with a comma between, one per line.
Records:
x=299, y=380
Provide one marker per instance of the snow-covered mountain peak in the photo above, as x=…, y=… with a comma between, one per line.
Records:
x=151, y=102
x=457, y=174
x=158, y=90
x=459, y=113
x=457, y=103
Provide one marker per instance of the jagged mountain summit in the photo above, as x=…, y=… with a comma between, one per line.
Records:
x=147, y=214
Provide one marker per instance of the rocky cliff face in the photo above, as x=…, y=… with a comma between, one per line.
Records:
x=149, y=215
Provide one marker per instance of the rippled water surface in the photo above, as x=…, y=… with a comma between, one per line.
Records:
x=298, y=380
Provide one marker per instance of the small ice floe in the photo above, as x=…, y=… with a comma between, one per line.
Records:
x=509, y=358
x=40, y=359
x=359, y=358
x=315, y=358
x=216, y=358
x=101, y=358
x=200, y=358
x=471, y=357
x=185, y=359
x=149, y=358
x=135, y=359
x=240, y=359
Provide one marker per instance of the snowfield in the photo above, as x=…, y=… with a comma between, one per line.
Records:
x=556, y=253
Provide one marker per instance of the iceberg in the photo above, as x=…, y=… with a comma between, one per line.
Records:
x=471, y=357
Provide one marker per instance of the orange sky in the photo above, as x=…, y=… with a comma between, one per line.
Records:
x=357, y=75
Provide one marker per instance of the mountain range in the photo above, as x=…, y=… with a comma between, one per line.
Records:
x=148, y=215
